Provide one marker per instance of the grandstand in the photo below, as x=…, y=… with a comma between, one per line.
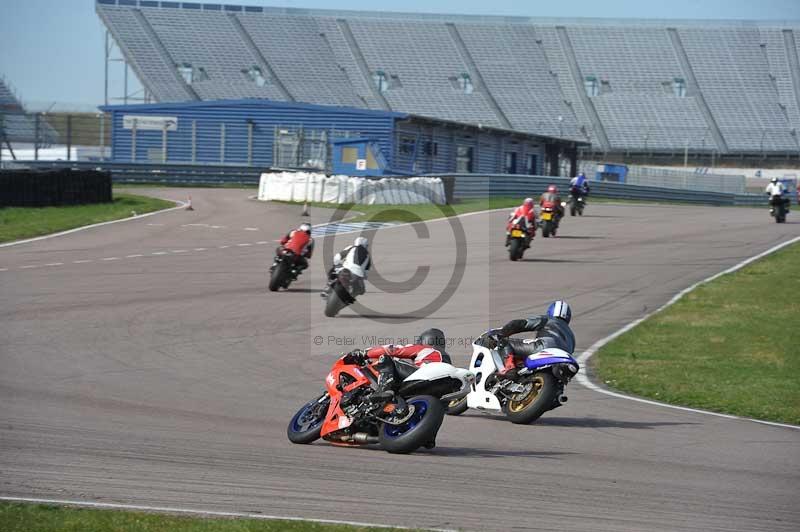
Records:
x=626, y=86
x=18, y=127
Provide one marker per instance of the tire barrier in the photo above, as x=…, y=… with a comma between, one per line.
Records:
x=32, y=188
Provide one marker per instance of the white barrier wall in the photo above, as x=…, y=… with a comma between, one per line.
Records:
x=303, y=186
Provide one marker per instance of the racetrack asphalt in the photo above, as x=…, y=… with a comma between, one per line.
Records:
x=146, y=363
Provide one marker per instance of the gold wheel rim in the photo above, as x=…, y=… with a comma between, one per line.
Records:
x=525, y=402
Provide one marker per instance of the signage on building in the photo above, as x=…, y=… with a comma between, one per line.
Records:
x=158, y=123
x=361, y=164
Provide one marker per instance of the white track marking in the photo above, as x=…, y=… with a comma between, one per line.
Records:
x=110, y=258
x=252, y=229
x=159, y=253
x=3, y=269
x=584, y=357
x=30, y=266
x=223, y=247
x=156, y=225
x=214, y=513
x=262, y=242
x=84, y=261
x=179, y=250
x=243, y=245
x=54, y=264
x=180, y=205
x=200, y=249
x=136, y=256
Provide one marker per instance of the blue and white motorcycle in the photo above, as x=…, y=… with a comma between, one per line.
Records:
x=524, y=393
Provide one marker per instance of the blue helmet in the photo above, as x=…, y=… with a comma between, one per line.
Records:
x=560, y=309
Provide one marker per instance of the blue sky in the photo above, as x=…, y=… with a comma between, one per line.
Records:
x=51, y=51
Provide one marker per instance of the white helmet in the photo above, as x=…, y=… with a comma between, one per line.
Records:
x=774, y=179
x=305, y=227
x=361, y=241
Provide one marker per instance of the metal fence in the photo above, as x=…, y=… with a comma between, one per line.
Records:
x=678, y=179
x=54, y=136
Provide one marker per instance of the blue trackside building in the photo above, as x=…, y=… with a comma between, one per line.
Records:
x=341, y=140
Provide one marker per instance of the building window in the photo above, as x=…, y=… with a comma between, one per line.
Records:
x=255, y=75
x=430, y=149
x=463, y=159
x=381, y=81
x=592, y=86
x=407, y=145
x=349, y=155
x=465, y=84
x=530, y=164
x=511, y=162
x=679, y=87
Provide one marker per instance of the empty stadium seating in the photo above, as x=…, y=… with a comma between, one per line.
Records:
x=655, y=86
x=16, y=126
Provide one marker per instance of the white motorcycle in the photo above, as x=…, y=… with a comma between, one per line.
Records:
x=523, y=394
x=347, y=285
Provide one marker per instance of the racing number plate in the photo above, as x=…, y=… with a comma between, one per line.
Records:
x=516, y=233
x=547, y=216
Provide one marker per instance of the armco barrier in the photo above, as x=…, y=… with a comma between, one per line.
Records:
x=481, y=186
x=50, y=188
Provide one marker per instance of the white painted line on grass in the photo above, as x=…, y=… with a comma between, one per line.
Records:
x=215, y=513
x=584, y=357
x=85, y=227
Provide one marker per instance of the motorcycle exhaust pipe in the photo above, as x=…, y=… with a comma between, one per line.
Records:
x=358, y=437
x=562, y=399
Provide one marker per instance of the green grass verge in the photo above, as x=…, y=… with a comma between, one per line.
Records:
x=18, y=517
x=732, y=345
x=24, y=222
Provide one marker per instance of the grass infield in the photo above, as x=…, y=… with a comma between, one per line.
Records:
x=731, y=346
x=24, y=517
x=25, y=222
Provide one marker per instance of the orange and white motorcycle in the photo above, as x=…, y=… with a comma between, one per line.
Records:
x=348, y=412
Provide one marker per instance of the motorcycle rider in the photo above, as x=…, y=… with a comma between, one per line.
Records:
x=777, y=191
x=552, y=330
x=552, y=199
x=579, y=186
x=429, y=348
x=300, y=243
x=357, y=254
x=523, y=211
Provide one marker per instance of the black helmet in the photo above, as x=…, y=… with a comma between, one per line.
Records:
x=436, y=339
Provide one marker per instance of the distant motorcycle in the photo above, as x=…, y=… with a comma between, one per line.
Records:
x=283, y=271
x=576, y=202
x=349, y=414
x=524, y=393
x=518, y=240
x=778, y=208
x=549, y=218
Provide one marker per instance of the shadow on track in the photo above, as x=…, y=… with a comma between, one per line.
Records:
x=594, y=422
x=560, y=261
x=494, y=453
x=399, y=317
x=575, y=237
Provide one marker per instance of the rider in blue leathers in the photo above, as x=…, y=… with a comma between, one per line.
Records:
x=579, y=186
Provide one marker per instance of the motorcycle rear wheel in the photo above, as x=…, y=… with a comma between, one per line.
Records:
x=278, y=275
x=333, y=305
x=546, y=228
x=536, y=402
x=306, y=425
x=515, y=250
x=418, y=431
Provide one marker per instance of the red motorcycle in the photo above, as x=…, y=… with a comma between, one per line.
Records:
x=517, y=237
x=348, y=413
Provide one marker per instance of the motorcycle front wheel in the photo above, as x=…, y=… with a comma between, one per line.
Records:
x=528, y=406
x=306, y=425
x=457, y=407
x=420, y=429
x=334, y=304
